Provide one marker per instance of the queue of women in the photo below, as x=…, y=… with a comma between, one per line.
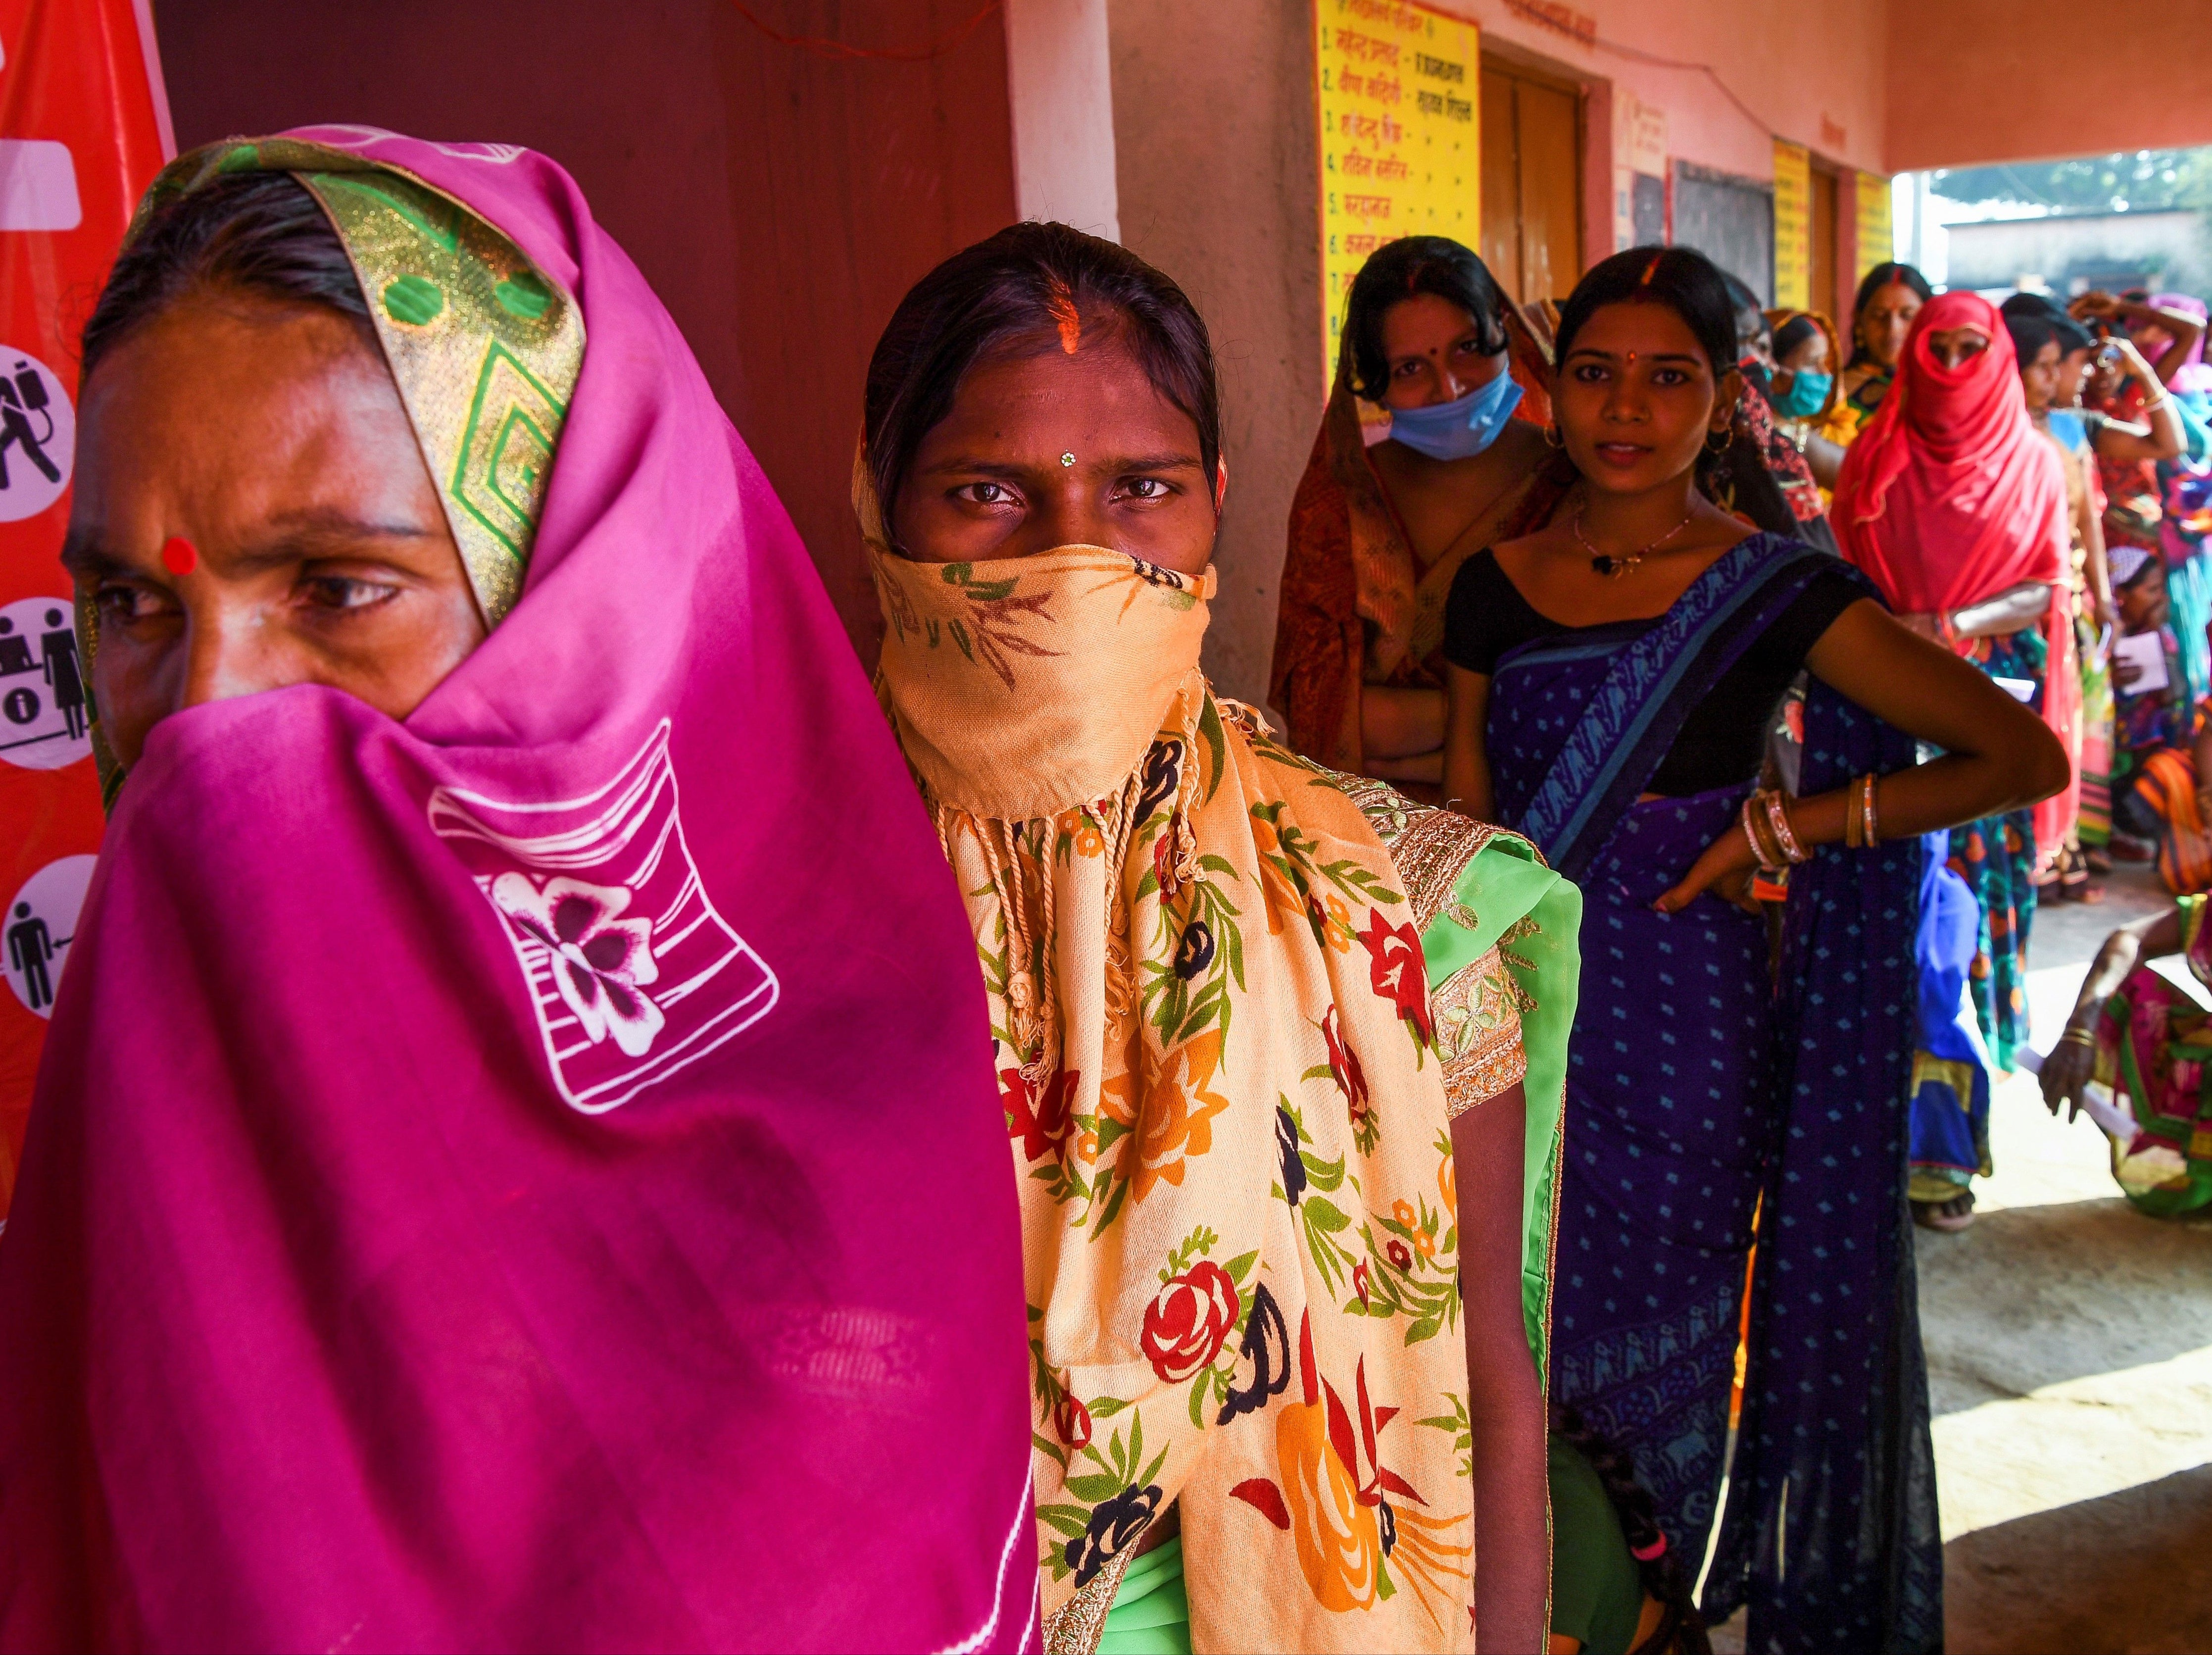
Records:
x=522, y=1154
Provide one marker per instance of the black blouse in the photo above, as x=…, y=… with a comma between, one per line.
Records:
x=1724, y=737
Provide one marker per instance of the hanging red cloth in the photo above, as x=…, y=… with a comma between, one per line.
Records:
x=84, y=125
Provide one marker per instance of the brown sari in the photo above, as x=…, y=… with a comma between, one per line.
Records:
x=1357, y=605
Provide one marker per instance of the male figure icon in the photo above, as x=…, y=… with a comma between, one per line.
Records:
x=30, y=945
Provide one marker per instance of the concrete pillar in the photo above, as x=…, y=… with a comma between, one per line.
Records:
x=1060, y=84
x=1219, y=164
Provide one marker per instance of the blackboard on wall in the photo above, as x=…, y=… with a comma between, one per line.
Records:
x=1647, y=208
x=1728, y=219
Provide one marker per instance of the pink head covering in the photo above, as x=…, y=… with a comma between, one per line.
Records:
x=1949, y=497
x=364, y=1291
x=2194, y=375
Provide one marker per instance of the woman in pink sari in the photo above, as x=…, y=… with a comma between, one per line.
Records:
x=463, y=1205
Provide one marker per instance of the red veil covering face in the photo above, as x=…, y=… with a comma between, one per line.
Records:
x=529, y=1176
x=1949, y=497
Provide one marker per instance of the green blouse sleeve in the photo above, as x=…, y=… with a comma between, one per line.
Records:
x=1507, y=898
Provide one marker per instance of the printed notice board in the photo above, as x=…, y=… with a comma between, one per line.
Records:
x=1793, y=226
x=1396, y=86
x=1876, y=245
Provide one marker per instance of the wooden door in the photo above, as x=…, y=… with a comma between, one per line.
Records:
x=1823, y=254
x=1549, y=132
x=1501, y=182
x=1532, y=183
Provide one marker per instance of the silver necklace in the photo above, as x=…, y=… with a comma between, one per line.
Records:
x=1607, y=564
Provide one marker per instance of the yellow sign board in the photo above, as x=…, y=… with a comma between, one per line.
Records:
x=1396, y=86
x=1876, y=243
x=1793, y=226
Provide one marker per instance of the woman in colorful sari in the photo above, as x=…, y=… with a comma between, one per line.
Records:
x=1807, y=394
x=1264, y=1032
x=1430, y=447
x=1613, y=677
x=2053, y=350
x=2137, y=1055
x=1956, y=508
x=2150, y=440
x=457, y=1210
x=1889, y=298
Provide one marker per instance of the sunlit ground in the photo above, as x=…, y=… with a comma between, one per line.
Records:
x=2069, y=1359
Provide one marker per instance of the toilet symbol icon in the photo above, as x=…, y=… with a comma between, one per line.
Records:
x=30, y=945
x=46, y=705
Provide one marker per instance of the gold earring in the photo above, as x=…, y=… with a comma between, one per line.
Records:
x=1726, y=437
x=1551, y=437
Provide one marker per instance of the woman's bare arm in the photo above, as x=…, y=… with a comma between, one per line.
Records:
x=1467, y=759
x=1504, y=1403
x=1998, y=755
x=2096, y=567
x=2013, y=608
x=1400, y=720
x=2072, y=1061
x=1824, y=459
x=2160, y=435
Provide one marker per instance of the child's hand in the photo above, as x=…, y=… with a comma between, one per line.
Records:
x=2125, y=671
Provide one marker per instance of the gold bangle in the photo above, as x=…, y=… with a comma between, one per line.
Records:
x=2076, y=1034
x=1873, y=833
x=1777, y=817
x=1768, y=858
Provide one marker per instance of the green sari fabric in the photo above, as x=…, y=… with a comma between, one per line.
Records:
x=1507, y=898
x=1152, y=1609
x=1597, y=1592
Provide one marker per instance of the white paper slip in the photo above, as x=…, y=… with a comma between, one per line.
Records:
x=2021, y=689
x=2146, y=651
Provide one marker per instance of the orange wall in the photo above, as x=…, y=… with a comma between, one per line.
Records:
x=2047, y=81
x=780, y=204
x=1802, y=71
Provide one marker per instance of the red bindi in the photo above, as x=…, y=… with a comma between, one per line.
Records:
x=179, y=556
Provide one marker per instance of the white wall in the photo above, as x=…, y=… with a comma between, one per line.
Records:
x=1059, y=93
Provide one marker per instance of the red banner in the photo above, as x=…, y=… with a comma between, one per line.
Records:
x=84, y=125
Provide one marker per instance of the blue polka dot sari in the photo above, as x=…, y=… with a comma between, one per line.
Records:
x=1722, y=1091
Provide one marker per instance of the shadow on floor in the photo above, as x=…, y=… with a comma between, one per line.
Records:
x=2033, y=1295
x=2129, y=1574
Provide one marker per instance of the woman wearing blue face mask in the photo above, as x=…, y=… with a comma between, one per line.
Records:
x=1805, y=394
x=1432, y=447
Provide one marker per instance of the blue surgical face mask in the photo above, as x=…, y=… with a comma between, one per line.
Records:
x=1456, y=430
x=1806, y=395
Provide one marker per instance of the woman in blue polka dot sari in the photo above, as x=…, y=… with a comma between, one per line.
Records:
x=1738, y=1067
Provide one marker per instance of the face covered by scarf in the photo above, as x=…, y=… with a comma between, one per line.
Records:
x=455, y=1211
x=1950, y=496
x=1226, y=1099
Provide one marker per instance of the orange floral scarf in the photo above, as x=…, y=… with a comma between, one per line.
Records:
x=1226, y=1102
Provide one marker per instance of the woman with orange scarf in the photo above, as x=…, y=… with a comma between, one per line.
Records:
x=1431, y=449
x=1281, y=1051
x=1957, y=508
